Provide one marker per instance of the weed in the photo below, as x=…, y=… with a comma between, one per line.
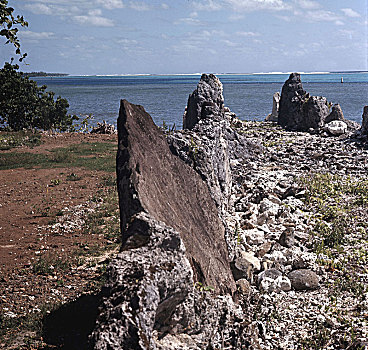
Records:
x=9, y=140
x=73, y=177
x=48, y=264
x=93, y=156
x=202, y=288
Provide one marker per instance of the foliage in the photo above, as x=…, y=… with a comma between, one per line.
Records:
x=93, y=156
x=9, y=140
x=8, y=23
x=24, y=105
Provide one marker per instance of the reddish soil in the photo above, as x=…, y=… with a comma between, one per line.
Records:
x=30, y=201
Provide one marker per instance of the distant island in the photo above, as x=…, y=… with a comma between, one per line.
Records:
x=44, y=74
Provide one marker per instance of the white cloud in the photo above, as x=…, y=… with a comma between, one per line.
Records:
x=94, y=18
x=139, y=6
x=127, y=41
x=249, y=34
x=208, y=5
x=308, y=4
x=321, y=16
x=350, y=12
x=111, y=4
x=189, y=20
x=229, y=43
x=165, y=6
x=254, y=5
x=36, y=35
x=39, y=9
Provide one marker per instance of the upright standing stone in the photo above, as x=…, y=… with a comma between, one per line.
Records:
x=298, y=110
x=365, y=121
x=205, y=101
x=274, y=116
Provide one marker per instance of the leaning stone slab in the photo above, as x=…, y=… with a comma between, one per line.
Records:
x=153, y=180
x=172, y=238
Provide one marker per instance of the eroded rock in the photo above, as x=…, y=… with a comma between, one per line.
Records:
x=206, y=101
x=298, y=110
x=365, y=121
x=172, y=237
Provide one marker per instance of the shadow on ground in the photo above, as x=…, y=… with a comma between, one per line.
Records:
x=68, y=327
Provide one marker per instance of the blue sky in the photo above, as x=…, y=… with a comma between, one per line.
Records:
x=189, y=36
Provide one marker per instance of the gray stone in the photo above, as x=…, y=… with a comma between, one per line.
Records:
x=336, y=127
x=287, y=238
x=298, y=110
x=303, y=279
x=336, y=114
x=365, y=121
x=272, y=280
x=172, y=237
x=273, y=117
x=206, y=101
x=152, y=179
x=243, y=286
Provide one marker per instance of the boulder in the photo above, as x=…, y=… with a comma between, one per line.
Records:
x=206, y=101
x=365, y=121
x=336, y=127
x=274, y=116
x=303, y=279
x=172, y=238
x=336, y=114
x=298, y=110
x=272, y=280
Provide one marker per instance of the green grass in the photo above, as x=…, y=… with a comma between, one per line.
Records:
x=9, y=140
x=92, y=156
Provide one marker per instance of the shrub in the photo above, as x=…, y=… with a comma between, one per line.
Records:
x=25, y=105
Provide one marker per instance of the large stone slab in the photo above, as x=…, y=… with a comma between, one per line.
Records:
x=152, y=180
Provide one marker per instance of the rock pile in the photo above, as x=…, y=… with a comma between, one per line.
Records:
x=258, y=176
x=301, y=112
x=104, y=128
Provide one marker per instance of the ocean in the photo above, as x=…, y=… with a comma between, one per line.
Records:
x=164, y=97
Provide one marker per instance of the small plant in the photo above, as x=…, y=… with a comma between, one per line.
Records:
x=56, y=182
x=73, y=177
x=202, y=288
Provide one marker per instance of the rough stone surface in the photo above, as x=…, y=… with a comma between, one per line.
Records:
x=365, y=121
x=206, y=101
x=303, y=279
x=274, y=116
x=172, y=239
x=336, y=127
x=298, y=110
x=287, y=238
x=151, y=179
x=336, y=114
x=145, y=286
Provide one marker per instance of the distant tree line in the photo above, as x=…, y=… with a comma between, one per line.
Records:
x=24, y=104
x=44, y=74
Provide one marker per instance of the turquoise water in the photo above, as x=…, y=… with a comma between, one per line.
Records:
x=165, y=97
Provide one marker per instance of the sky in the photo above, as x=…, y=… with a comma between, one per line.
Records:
x=103, y=37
